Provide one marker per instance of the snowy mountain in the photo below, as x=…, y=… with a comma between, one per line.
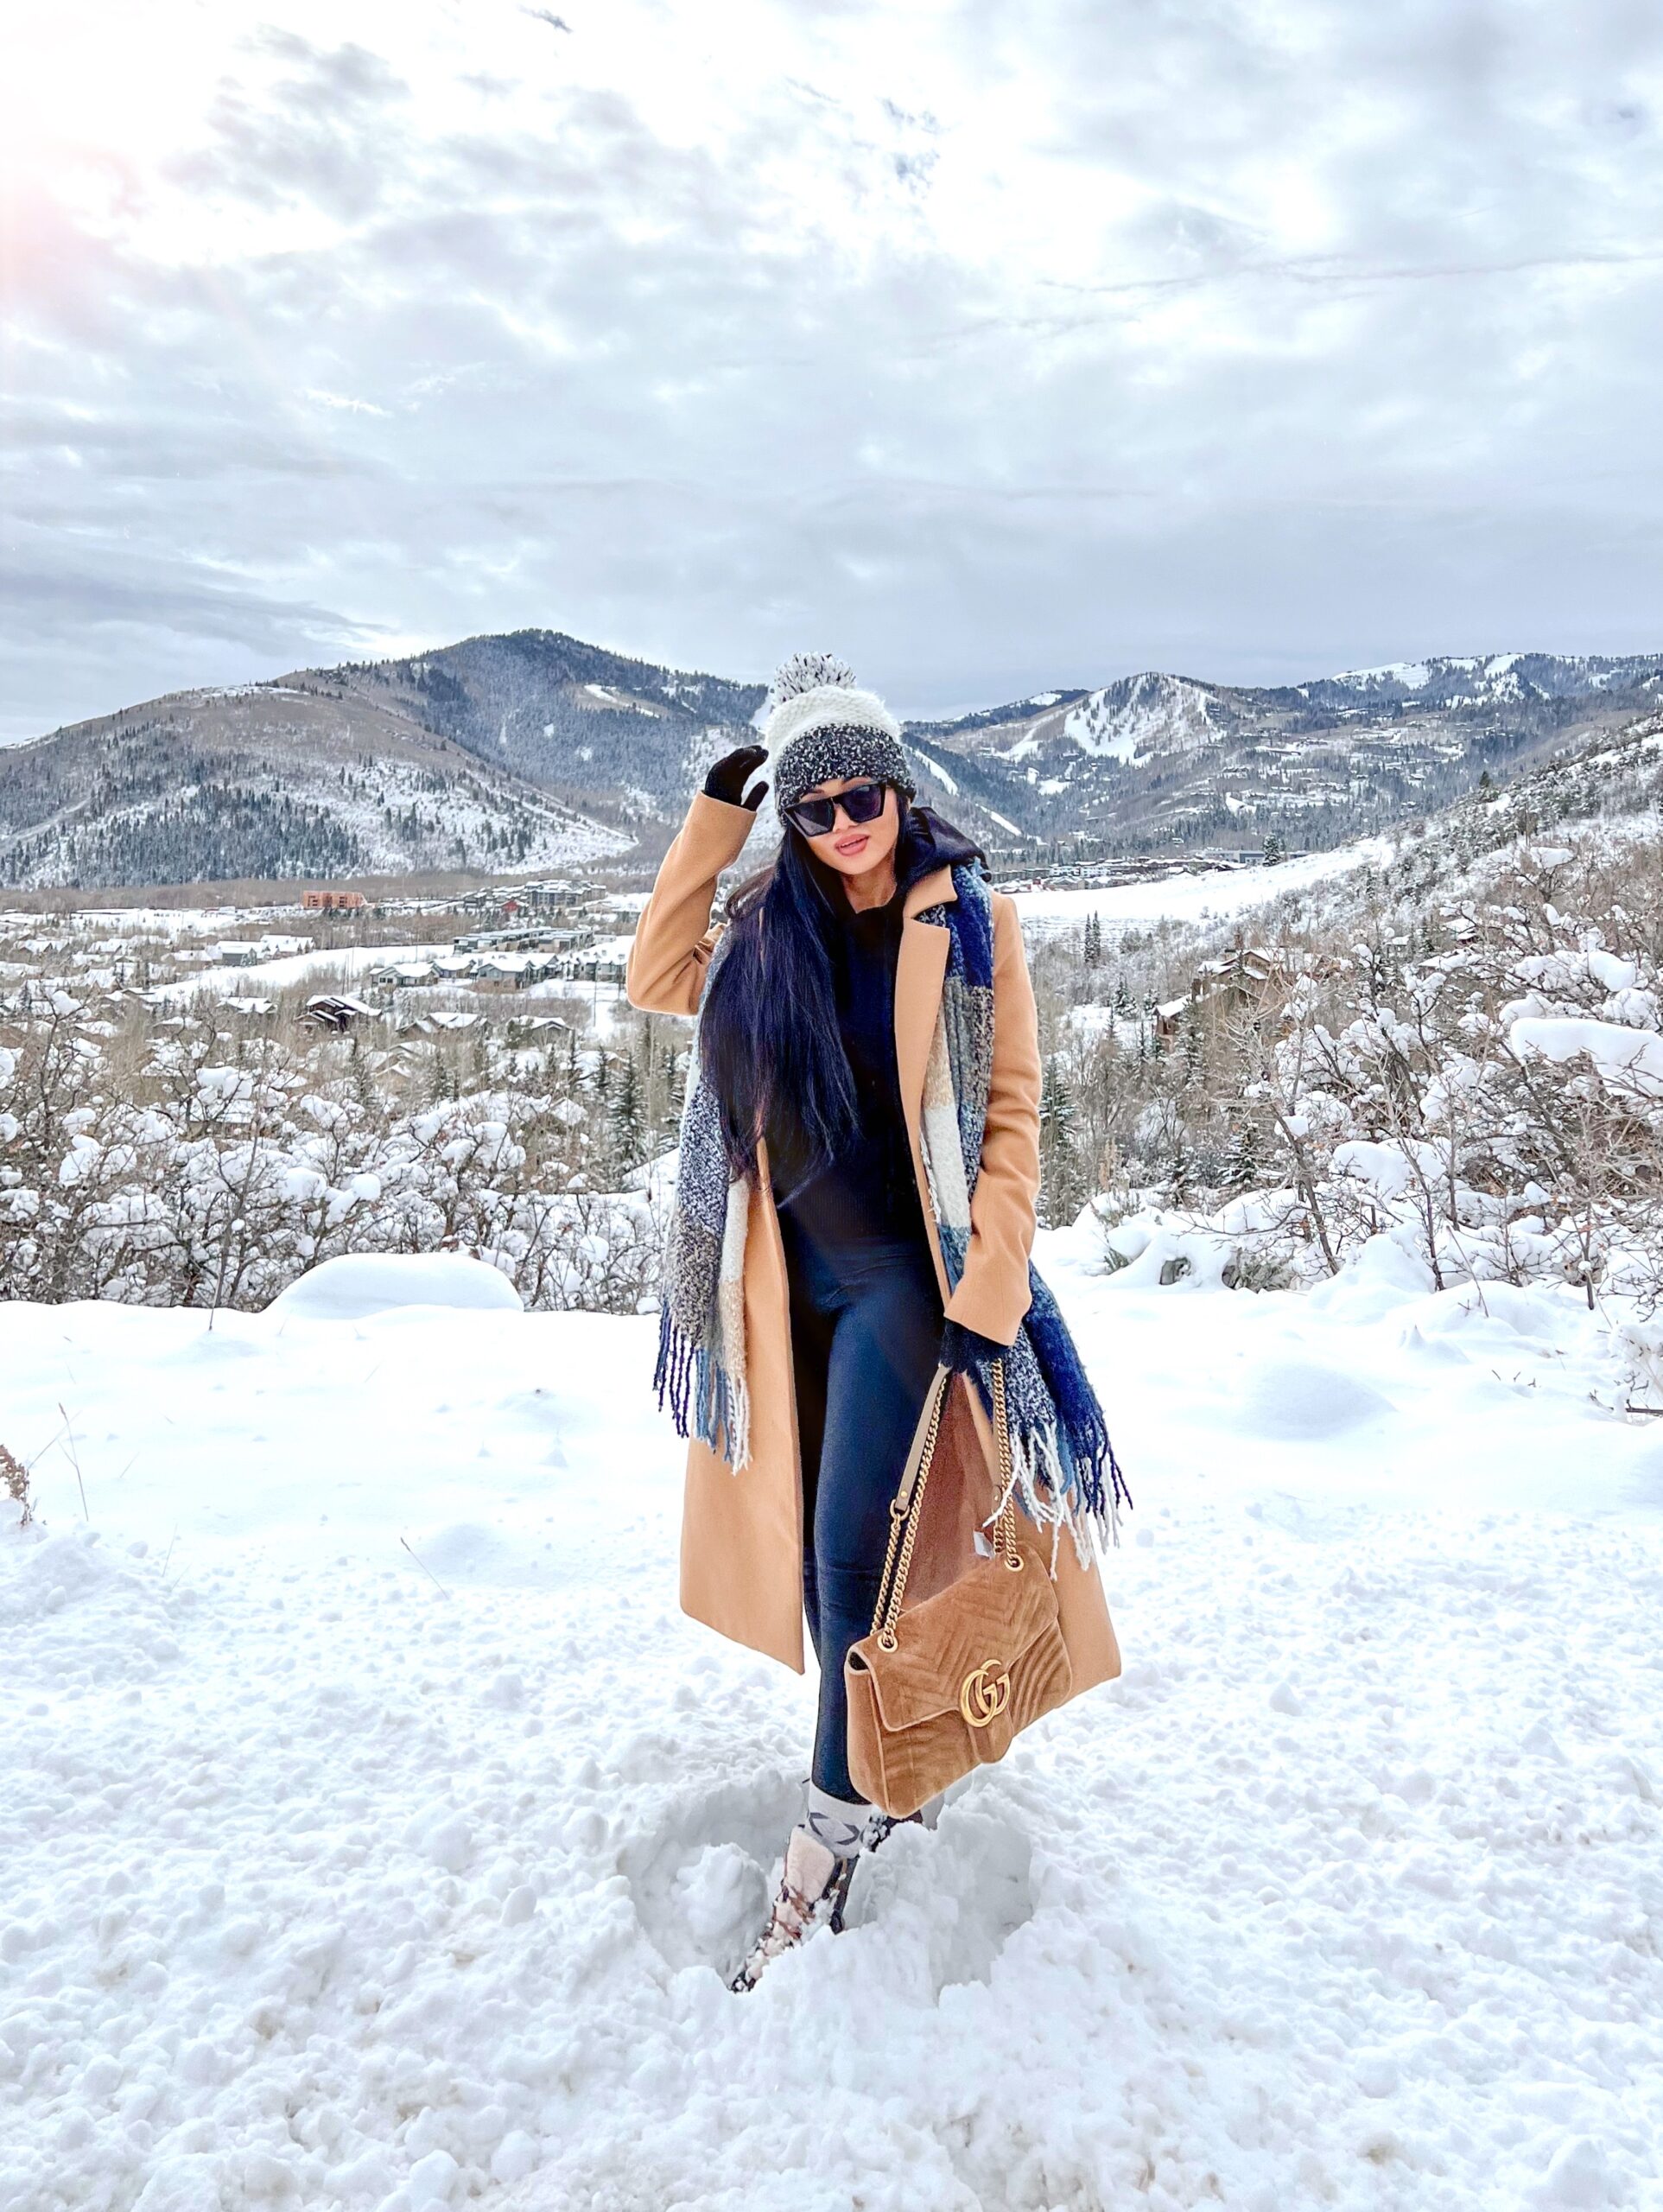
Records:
x=535, y=749
x=1481, y=682
x=625, y=739
x=1157, y=759
x=288, y=780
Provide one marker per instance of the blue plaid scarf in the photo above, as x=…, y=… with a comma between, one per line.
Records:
x=1065, y=1472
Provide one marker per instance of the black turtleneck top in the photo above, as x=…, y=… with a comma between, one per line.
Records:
x=869, y=1190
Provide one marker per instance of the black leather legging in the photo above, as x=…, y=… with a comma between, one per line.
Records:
x=866, y=1328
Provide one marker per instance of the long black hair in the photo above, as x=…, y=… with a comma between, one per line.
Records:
x=769, y=1035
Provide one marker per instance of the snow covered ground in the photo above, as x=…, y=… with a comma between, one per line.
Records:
x=1216, y=896
x=136, y=921
x=374, y=1828
x=349, y=961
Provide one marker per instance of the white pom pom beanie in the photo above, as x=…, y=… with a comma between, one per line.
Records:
x=821, y=725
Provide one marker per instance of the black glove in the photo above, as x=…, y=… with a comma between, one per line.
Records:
x=726, y=777
x=962, y=1350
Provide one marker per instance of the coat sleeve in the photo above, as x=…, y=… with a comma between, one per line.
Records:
x=670, y=949
x=993, y=1293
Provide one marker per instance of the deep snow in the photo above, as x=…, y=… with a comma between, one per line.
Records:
x=373, y=1825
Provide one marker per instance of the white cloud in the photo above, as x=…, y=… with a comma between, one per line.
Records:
x=1001, y=347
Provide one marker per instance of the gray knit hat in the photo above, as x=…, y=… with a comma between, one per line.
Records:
x=821, y=724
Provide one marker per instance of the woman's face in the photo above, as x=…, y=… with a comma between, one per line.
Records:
x=852, y=847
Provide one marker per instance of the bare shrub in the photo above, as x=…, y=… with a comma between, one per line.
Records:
x=14, y=1484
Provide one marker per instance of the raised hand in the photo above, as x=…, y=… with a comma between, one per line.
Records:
x=726, y=779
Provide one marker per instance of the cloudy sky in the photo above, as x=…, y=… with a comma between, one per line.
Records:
x=993, y=346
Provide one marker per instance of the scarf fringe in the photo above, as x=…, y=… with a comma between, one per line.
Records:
x=1049, y=1486
x=705, y=1401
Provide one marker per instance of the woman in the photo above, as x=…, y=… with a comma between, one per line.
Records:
x=859, y=1169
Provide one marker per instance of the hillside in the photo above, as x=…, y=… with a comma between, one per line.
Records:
x=1440, y=1064
x=622, y=740
x=537, y=750
x=296, y=779
x=1607, y=796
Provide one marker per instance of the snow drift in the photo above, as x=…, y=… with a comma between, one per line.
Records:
x=376, y=1829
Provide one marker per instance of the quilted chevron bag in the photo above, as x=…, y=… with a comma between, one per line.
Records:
x=950, y=1684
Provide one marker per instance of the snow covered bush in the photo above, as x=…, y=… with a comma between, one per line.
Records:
x=204, y=1167
x=1485, y=1087
x=1462, y=1052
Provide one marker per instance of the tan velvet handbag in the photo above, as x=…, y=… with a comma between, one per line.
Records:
x=946, y=1686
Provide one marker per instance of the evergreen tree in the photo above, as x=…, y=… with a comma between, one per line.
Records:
x=1241, y=1160
x=1181, y=1175
x=1192, y=1048
x=1063, y=1190
x=626, y=1122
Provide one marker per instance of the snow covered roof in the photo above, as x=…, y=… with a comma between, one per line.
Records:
x=338, y=1008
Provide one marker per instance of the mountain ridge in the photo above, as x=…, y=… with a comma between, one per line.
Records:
x=527, y=749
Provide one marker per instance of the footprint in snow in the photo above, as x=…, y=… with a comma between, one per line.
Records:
x=700, y=1871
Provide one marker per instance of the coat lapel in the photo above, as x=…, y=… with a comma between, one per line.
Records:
x=920, y=967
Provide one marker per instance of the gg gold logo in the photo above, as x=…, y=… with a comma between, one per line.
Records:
x=985, y=1692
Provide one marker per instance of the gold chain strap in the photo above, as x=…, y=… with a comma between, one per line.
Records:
x=904, y=1512
x=1005, y=1525
x=906, y=1509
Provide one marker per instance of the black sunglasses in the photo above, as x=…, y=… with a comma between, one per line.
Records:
x=815, y=817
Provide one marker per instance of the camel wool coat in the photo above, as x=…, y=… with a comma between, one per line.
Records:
x=742, y=1531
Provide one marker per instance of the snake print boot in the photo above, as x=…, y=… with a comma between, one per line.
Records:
x=814, y=1887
